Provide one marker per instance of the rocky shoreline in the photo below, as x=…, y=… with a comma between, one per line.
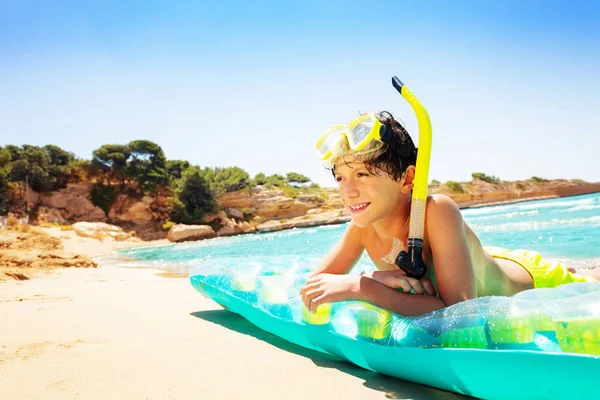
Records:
x=331, y=211
x=268, y=210
x=28, y=251
x=557, y=189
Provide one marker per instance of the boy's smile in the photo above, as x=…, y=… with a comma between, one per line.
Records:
x=356, y=208
x=369, y=197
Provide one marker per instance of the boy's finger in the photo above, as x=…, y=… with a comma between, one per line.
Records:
x=400, y=283
x=315, y=302
x=428, y=286
x=416, y=285
x=309, y=297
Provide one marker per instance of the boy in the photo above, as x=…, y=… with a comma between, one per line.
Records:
x=375, y=184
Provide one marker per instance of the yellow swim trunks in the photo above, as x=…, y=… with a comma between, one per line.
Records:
x=545, y=274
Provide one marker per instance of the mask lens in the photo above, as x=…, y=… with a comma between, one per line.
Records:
x=360, y=132
x=333, y=141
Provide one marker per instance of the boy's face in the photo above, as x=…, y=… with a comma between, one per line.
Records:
x=369, y=198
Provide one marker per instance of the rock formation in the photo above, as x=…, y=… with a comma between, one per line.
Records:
x=182, y=233
x=70, y=204
x=101, y=230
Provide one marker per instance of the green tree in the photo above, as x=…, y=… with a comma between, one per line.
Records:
x=296, y=179
x=80, y=170
x=110, y=162
x=60, y=166
x=5, y=158
x=275, y=180
x=230, y=179
x=147, y=165
x=103, y=196
x=194, y=198
x=31, y=165
x=260, y=178
x=175, y=168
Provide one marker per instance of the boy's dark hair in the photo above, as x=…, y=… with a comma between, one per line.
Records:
x=397, y=157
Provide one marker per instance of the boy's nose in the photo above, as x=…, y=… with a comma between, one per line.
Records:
x=350, y=191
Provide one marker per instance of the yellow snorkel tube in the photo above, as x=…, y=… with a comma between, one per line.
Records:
x=411, y=262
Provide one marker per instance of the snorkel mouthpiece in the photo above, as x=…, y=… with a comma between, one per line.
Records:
x=397, y=84
x=411, y=262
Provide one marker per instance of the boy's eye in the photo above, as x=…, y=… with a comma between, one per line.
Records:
x=338, y=178
x=362, y=174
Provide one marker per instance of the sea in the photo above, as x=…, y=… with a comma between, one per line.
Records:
x=565, y=229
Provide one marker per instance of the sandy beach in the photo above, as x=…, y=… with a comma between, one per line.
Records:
x=117, y=333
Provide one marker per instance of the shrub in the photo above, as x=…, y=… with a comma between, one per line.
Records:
x=537, y=179
x=229, y=179
x=248, y=214
x=260, y=178
x=313, y=188
x=175, y=168
x=80, y=170
x=103, y=196
x=275, y=180
x=486, y=178
x=296, y=179
x=455, y=187
x=167, y=225
x=194, y=198
x=290, y=191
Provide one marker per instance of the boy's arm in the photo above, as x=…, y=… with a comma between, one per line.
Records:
x=398, y=302
x=452, y=261
x=343, y=255
x=445, y=232
x=453, y=269
x=330, y=280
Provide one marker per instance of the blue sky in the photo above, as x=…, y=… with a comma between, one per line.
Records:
x=512, y=87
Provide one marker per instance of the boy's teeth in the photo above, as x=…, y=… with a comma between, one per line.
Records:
x=359, y=207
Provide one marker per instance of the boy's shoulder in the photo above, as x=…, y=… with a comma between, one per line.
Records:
x=443, y=219
x=440, y=206
x=441, y=201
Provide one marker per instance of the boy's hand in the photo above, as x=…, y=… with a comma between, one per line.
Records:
x=399, y=280
x=328, y=288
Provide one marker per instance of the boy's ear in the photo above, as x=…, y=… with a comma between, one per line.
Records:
x=409, y=177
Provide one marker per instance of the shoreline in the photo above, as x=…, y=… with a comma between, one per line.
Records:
x=543, y=194
x=515, y=201
x=337, y=218
x=76, y=246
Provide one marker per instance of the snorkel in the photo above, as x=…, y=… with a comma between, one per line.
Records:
x=411, y=262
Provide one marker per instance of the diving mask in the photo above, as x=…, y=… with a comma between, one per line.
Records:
x=364, y=135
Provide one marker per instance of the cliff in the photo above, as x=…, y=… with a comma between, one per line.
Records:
x=273, y=211
x=478, y=193
x=263, y=210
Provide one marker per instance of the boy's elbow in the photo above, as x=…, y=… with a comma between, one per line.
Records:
x=458, y=298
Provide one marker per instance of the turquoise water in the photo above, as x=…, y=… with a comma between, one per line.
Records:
x=566, y=229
